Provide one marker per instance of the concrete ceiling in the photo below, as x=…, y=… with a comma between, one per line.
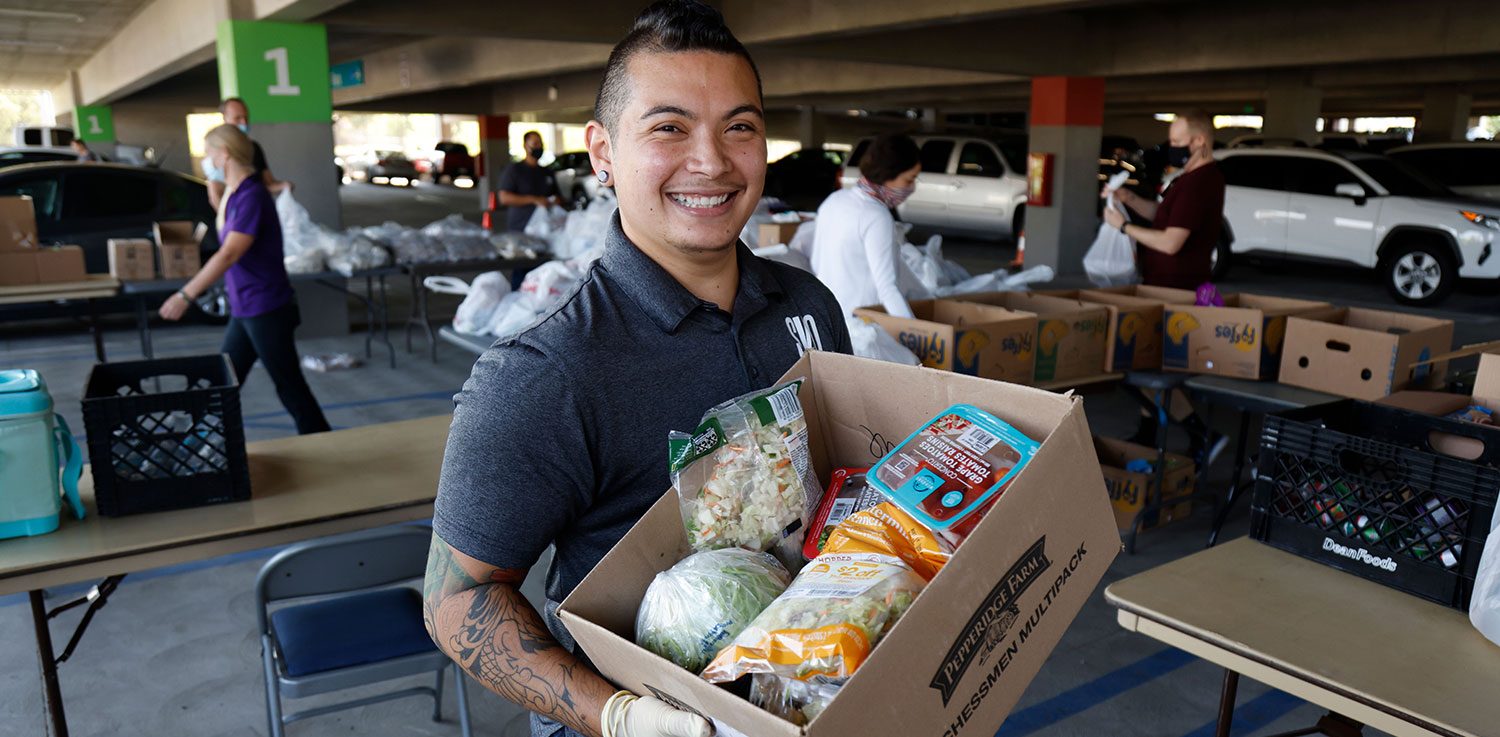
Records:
x=36, y=51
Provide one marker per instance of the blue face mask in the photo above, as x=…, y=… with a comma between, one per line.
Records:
x=244, y=128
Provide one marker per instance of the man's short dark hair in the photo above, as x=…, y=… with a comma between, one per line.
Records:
x=666, y=26
x=224, y=106
x=527, y=136
x=888, y=155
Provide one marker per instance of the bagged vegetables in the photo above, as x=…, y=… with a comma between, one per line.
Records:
x=696, y=607
x=743, y=477
x=847, y=493
x=798, y=702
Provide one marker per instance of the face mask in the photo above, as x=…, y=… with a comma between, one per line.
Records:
x=244, y=127
x=889, y=196
x=536, y=153
x=1178, y=156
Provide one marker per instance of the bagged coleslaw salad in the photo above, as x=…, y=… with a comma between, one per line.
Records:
x=695, y=608
x=743, y=477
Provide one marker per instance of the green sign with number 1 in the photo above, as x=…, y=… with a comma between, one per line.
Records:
x=94, y=123
x=280, y=70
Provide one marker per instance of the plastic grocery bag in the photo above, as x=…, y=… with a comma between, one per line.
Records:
x=695, y=608
x=1484, y=605
x=798, y=702
x=1110, y=262
x=744, y=478
x=477, y=310
x=545, y=221
x=872, y=341
x=825, y=625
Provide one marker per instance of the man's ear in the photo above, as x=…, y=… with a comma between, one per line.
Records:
x=601, y=153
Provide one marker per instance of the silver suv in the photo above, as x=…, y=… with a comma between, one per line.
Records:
x=969, y=184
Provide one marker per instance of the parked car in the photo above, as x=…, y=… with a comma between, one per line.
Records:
x=969, y=184
x=383, y=167
x=1259, y=140
x=1358, y=209
x=35, y=154
x=1374, y=143
x=86, y=204
x=803, y=178
x=1470, y=168
x=455, y=161
x=574, y=174
x=46, y=136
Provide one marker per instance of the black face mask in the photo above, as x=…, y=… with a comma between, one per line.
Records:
x=1178, y=156
x=536, y=153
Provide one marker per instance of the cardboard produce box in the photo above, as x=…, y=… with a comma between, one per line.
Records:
x=58, y=264
x=1364, y=354
x=978, y=340
x=177, y=244
x=961, y=656
x=771, y=234
x=132, y=259
x=1074, y=338
x=17, y=268
x=1167, y=295
x=1129, y=490
x=1137, y=329
x=17, y=225
x=1242, y=339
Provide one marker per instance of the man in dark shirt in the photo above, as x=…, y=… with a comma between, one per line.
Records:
x=559, y=434
x=1177, y=250
x=525, y=185
x=237, y=114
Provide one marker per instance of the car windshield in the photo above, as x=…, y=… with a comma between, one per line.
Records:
x=1399, y=179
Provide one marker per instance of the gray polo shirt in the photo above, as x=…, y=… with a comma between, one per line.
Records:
x=560, y=434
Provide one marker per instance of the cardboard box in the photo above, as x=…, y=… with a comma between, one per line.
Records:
x=771, y=234
x=177, y=247
x=978, y=340
x=132, y=259
x=1242, y=339
x=1137, y=329
x=1166, y=295
x=17, y=268
x=58, y=264
x=962, y=655
x=1487, y=380
x=17, y=224
x=1074, y=338
x=1364, y=354
x=1129, y=490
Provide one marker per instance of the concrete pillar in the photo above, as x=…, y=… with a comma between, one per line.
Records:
x=1445, y=116
x=931, y=120
x=162, y=127
x=1292, y=110
x=1067, y=115
x=810, y=127
x=494, y=147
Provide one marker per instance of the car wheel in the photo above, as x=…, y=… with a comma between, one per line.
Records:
x=1220, y=259
x=1419, y=272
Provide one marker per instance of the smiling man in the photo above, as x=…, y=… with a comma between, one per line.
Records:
x=559, y=435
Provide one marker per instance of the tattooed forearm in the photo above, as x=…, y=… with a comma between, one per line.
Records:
x=477, y=615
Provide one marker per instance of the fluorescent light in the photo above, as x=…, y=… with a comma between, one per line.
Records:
x=400, y=181
x=1165, y=117
x=380, y=180
x=41, y=14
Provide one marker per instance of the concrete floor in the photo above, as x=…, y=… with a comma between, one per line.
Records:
x=175, y=653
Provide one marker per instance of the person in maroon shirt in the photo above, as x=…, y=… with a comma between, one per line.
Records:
x=1177, y=250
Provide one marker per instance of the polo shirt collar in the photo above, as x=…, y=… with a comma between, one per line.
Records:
x=661, y=296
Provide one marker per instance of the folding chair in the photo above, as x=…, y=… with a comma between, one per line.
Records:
x=372, y=632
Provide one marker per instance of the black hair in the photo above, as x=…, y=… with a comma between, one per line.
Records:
x=888, y=155
x=666, y=26
x=529, y=134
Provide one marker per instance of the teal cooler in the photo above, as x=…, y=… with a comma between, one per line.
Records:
x=34, y=443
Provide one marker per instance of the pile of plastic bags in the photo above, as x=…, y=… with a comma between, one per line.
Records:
x=490, y=307
x=568, y=234
x=309, y=248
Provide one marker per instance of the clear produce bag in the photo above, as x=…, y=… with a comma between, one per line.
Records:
x=743, y=477
x=1484, y=605
x=1110, y=262
x=798, y=702
x=695, y=608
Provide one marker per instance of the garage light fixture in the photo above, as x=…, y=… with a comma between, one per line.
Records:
x=41, y=14
x=47, y=45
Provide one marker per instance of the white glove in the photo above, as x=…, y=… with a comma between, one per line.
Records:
x=628, y=715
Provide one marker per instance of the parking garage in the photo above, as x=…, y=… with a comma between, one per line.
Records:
x=1253, y=501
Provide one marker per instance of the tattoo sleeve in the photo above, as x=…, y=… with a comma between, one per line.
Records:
x=477, y=615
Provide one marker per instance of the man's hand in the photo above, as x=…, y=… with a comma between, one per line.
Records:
x=628, y=715
x=1114, y=217
x=174, y=308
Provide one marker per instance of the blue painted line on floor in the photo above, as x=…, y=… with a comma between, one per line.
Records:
x=58, y=593
x=445, y=396
x=1254, y=714
x=1093, y=693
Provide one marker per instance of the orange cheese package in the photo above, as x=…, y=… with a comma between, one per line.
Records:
x=887, y=530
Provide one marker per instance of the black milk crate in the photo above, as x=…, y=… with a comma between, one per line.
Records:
x=1359, y=487
x=165, y=434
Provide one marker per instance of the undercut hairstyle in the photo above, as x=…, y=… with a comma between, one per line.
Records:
x=1198, y=121
x=888, y=155
x=667, y=26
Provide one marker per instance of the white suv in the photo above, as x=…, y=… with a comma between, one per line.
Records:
x=1356, y=208
x=969, y=184
x=1470, y=168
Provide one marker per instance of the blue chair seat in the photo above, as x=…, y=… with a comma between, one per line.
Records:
x=351, y=630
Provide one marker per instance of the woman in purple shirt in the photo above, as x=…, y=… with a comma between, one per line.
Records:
x=261, y=301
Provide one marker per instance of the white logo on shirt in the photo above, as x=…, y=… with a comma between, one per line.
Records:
x=805, y=333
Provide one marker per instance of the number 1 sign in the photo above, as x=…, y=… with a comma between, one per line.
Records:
x=279, y=69
x=94, y=123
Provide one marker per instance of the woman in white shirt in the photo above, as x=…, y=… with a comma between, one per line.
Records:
x=855, y=251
